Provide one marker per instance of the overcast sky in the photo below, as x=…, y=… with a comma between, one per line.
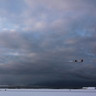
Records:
x=40, y=38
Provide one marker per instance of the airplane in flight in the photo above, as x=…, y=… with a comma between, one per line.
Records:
x=79, y=61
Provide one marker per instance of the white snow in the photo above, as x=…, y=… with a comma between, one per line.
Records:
x=47, y=92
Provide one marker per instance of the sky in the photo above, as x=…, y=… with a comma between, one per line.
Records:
x=40, y=38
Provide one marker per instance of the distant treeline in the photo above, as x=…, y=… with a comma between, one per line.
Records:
x=37, y=87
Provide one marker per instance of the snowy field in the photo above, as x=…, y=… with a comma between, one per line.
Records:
x=47, y=92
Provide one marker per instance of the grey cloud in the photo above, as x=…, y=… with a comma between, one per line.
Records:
x=46, y=55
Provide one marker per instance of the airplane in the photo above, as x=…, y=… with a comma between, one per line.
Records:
x=79, y=61
x=76, y=61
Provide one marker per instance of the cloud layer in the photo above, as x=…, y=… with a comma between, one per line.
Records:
x=39, y=39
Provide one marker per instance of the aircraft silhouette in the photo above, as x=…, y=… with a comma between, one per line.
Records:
x=76, y=61
x=80, y=61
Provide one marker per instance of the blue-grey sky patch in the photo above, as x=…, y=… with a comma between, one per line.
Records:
x=39, y=39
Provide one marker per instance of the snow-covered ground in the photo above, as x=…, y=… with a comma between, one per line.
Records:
x=47, y=92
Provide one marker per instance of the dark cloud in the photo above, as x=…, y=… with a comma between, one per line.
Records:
x=41, y=50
